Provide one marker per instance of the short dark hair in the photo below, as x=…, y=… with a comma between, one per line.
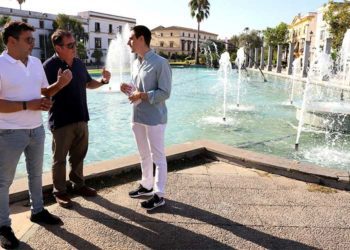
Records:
x=58, y=35
x=14, y=29
x=141, y=30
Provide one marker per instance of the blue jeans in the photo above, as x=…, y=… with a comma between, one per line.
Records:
x=13, y=142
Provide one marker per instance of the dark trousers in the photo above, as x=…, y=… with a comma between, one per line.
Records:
x=71, y=140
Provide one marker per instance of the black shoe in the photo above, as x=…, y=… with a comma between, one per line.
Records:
x=46, y=218
x=141, y=191
x=154, y=202
x=8, y=239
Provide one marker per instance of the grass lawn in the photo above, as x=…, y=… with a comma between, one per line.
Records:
x=95, y=71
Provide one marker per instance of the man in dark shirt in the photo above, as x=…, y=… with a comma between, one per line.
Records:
x=69, y=116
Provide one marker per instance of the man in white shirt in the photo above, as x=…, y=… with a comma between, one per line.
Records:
x=22, y=82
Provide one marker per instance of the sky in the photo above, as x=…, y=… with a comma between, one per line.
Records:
x=227, y=17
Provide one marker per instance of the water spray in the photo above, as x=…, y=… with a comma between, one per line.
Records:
x=251, y=58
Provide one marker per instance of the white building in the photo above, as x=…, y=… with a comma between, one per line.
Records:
x=101, y=28
x=42, y=22
x=322, y=33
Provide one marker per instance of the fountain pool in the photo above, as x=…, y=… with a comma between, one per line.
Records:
x=263, y=122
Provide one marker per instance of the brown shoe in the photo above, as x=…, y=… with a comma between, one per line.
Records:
x=63, y=200
x=85, y=191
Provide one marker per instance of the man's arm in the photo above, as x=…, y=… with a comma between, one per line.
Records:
x=93, y=84
x=63, y=79
x=161, y=93
x=15, y=106
x=164, y=86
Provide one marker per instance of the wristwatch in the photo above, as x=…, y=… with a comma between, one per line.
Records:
x=104, y=82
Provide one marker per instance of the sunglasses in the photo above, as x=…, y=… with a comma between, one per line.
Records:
x=69, y=45
x=29, y=40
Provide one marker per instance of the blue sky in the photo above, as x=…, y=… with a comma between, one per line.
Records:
x=227, y=17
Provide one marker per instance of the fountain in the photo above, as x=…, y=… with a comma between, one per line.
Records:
x=239, y=62
x=225, y=70
x=296, y=72
x=210, y=56
x=323, y=104
x=119, y=57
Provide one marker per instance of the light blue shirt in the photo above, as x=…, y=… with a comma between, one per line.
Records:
x=153, y=76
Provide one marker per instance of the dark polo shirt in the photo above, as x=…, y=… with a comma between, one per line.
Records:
x=69, y=104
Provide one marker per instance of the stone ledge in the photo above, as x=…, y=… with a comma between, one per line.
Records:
x=272, y=164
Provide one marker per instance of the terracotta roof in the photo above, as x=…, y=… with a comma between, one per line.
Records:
x=158, y=28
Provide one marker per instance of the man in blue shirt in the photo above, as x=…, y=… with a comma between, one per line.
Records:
x=151, y=80
x=69, y=116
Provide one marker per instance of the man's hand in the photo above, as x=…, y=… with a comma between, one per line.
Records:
x=135, y=96
x=63, y=78
x=106, y=75
x=43, y=104
x=125, y=88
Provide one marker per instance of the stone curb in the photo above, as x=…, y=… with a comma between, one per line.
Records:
x=293, y=169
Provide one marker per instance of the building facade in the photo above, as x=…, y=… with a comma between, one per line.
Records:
x=100, y=27
x=175, y=40
x=303, y=28
x=42, y=22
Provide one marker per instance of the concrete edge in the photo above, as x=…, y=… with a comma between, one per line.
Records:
x=272, y=164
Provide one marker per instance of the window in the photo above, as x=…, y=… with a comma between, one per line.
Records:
x=25, y=20
x=41, y=24
x=97, y=27
x=171, y=44
x=194, y=35
x=41, y=41
x=171, y=34
x=322, y=35
x=161, y=34
x=189, y=34
x=161, y=44
x=120, y=29
x=199, y=36
x=183, y=33
x=110, y=28
x=109, y=42
x=98, y=43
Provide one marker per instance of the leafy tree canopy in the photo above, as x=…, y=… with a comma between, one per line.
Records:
x=68, y=23
x=337, y=16
x=277, y=35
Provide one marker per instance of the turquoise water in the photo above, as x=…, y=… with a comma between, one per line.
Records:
x=264, y=122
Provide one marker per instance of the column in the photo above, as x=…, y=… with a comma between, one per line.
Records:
x=290, y=58
x=251, y=54
x=256, y=58
x=279, y=58
x=262, y=63
x=269, y=60
x=327, y=46
x=306, y=56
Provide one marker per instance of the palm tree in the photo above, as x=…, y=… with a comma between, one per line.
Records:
x=3, y=21
x=20, y=3
x=200, y=10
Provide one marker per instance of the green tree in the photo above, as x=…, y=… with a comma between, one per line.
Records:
x=3, y=21
x=277, y=35
x=200, y=10
x=69, y=23
x=337, y=16
x=81, y=51
x=250, y=39
x=97, y=54
x=20, y=3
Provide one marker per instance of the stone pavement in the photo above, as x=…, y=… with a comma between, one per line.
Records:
x=213, y=205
